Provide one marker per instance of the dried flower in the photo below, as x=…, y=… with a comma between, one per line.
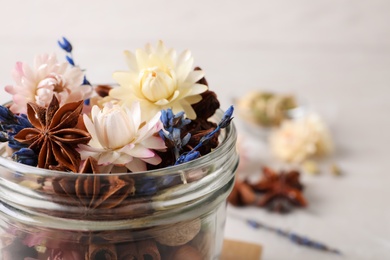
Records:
x=194, y=153
x=172, y=131
x=54, y=136
x=26, y=156
x=10, y=125
x=299, y=139
x=120, y=138
x=47, y=77
x=160, y=80
x=65, y=45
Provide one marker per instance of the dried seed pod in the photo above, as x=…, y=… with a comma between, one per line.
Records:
x=178, y=234
x=242, y=194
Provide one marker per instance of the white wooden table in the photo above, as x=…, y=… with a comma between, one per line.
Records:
x=334, y=54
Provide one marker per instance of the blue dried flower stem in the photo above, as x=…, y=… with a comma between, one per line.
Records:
x=173, y=125
x=10, y=125
x=67, y=47
x=26, y=156
x=293, y=237
x=193, y=154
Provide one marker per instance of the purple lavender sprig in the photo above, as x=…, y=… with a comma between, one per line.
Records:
x=193, y=154
x=10, y=125
x=173, y=124
x=26, y=156
x=68, y=48
x=295, y=238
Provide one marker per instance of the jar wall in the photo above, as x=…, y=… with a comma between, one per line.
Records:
x=197, y=238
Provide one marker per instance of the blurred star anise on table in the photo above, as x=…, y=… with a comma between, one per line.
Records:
x=279, y=192
x=242, y=194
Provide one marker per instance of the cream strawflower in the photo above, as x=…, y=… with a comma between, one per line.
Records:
x=121, y=138
x=158, y=79
x=37, y=84
x=299, y=139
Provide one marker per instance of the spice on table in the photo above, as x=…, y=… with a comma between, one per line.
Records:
x=242, y=194
x=281, y=191
x=278, y=192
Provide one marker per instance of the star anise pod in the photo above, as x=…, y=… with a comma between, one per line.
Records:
x=55, y=135
x=242, y=194
x=281, y=191
x=270, y=178
x=93, y=191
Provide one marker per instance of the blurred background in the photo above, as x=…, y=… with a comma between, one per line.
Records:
x=333, y=54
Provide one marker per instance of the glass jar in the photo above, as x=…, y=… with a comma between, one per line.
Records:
x=171, y=213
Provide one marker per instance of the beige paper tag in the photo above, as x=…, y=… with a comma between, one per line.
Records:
x=235, y=250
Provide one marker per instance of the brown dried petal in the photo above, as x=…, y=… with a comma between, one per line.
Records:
x=113, y=194
x=51, y=110
x=103, y=90
x=27, y=135
x=66, y=155
x=66, y=116
x=36, y=115
x=71, y=136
